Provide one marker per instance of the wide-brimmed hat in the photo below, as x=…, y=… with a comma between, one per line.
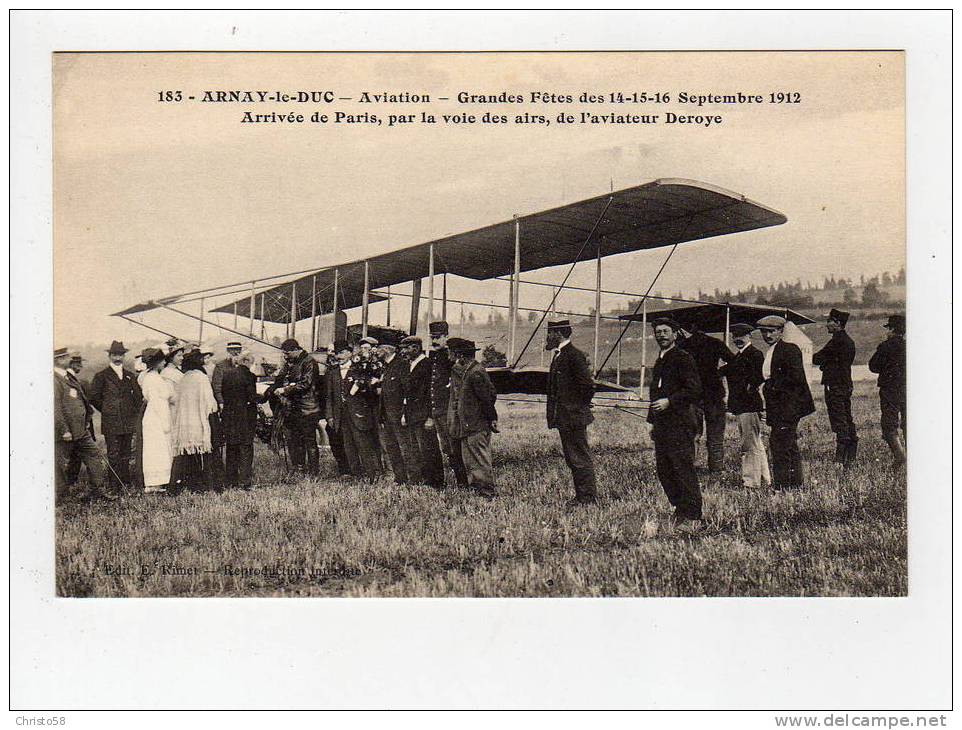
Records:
x=193, y=359
x=896, y=323
x=117, y=348
x=459, y=344
x=151, y=356
x=837, y=315
x=771, y=322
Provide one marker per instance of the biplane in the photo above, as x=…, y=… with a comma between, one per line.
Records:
x=662, y=213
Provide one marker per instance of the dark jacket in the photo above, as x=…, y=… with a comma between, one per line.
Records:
x=118, y=400
x=744, y=375
x=570, y=389
x=417, y=401
x=675, y=377
x=217, y=378
x=299, y=380
x=393, y=386
x=471, y=405
x=835, y=360
x=889, y=362
x=441, y=364
x=360, y=408
x=707, y=351
x=72, y=410
x=787, y=397
x=239, y=416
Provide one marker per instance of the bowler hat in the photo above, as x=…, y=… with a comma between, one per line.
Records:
x=290, y=344
x=459, y=344
x=438, y=328
x=740, y=330
x=896, y=323
x=117, y=348
x=837, y=315
x=665, y=321
x=771, y=322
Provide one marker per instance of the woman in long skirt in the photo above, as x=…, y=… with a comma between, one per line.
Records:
x=191, y=431
x=159, y=396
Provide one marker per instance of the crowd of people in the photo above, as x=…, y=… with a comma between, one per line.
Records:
x=189, y=423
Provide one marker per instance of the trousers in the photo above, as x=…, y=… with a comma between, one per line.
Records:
x=574, y=445
x=893, y=408
x=336, y=441
x=476, y=456
x=838, y=401
x=240, y=464
x=711, y=420
x=301, y=435
x=755, y=471
x=82, y=450
x=400, y=452
x=787, y=471
x=118, y=457
x=428, y=454
x=363, y=450
x=675, y=465
x=451, y=449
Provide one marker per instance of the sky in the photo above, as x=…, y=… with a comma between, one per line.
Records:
x=155, y=198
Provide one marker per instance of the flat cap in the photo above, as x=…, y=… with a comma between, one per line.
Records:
x=369, y=341
x=438, y=328
x=290, y=344
x=665, y=321
x=839, y=316
x=412, y=340
x=740, y=330
x=771, y=322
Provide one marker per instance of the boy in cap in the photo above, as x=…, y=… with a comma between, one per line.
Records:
x=787, y=401
x=568, y=408
x=73, y=429
x=441, y=364
x=889, y=362
x=744, y=376
x=417, y=412
x=115, y=393
x=835, y=360
x=674, y=392
x=472, y=416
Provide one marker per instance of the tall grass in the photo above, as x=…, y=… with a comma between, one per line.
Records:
x=845, y=535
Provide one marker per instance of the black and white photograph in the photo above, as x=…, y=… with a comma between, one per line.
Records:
x=507, y=327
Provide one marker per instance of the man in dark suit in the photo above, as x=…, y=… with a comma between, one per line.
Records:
x=787, y=401
x=333, y=407
x=708, y=352
x=889, y=362
x=744, y=376
x=74, y=463
x=297, y=383
x=354, y=412
x=570, y=390
x=115, y=393
x=675, y=391
x=472, y=416
x=441, y=363
x=239, y=419
x=397, y=438
x=417, y=412
x=74, y=430
x=835, y=360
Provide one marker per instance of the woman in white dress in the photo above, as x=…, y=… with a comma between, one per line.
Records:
x=160, y=396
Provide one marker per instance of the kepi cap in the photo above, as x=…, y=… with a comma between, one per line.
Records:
x=60, y=352
x=837, y=315
x=438, y=328
x=234, y=345
x=559, y=324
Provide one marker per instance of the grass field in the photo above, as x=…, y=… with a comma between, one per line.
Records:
x=843, y=536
